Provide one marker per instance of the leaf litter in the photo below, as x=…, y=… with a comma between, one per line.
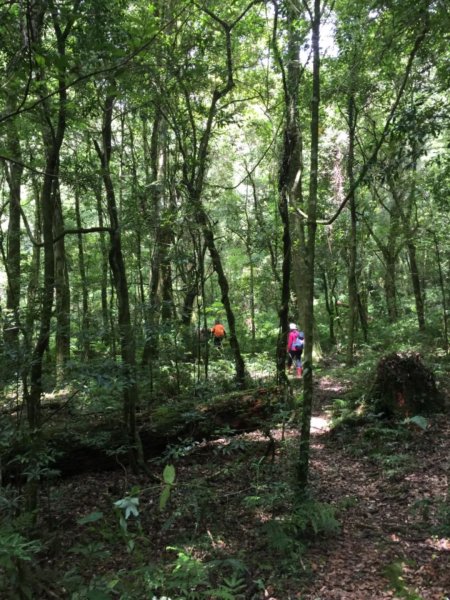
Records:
x=393, y=509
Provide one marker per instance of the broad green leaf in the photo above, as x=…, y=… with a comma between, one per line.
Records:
x=169, y=474
x=418, y=420
x=90, y=518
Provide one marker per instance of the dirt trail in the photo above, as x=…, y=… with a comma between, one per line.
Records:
x=384, y=549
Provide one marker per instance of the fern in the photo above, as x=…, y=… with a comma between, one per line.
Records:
x=309, y=519
x=232, y=588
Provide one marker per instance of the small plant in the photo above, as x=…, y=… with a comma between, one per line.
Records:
x=174, y=452
x=433, y=515
x=394, y=573
x=231, y=588
x=395, y=465
x=309, y=519
x=233, y=446
x=169, y=482
x=127, y=507
x=442, y=527
x=16, y=555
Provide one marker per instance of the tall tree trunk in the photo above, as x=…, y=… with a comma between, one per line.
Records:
x=290, y=174
x=108, y=332
x=404, y=208
x=390, y=285
x=13, y=267
x=390, y=251
x=329, y=306
x=53, y=135
x=85, y=319
x=155, y=157
x=305, y=430
x=168, y=311
x=352, y=243
x=194, y=172
x=417, y=287
x=443, y=293
x=117, y=264
x=35, y=267
x=208, y=236
x=62, y=292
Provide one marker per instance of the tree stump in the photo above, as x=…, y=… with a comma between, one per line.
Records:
x=404, y=387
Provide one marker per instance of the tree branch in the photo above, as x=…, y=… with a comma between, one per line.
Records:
x=102, y=71
x=373, y=158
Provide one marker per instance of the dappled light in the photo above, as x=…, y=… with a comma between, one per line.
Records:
x=224, y=300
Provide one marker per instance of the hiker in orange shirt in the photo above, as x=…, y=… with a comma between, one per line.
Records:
x=218, y=333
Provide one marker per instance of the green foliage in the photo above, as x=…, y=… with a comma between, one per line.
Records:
x=189, y=578
x=169, y=482
x=17, y=554
x=290, y=534
x=90, y=518
x=433, y=515
x=98, y=588
x=178, y=451
x=394, y=573
x=418, y=420
x=186, y=577
x=125, y=508
x=232, y=446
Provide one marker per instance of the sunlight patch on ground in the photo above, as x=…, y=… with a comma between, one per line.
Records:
x=329, y=384
x=438, y=544
x=320, y=424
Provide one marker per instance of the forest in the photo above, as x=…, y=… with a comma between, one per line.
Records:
x=171, y=170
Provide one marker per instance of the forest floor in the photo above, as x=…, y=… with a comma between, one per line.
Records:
x=228, y=523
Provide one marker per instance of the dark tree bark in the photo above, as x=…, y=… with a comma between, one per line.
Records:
x=390, y=250
x=117, y=264
x=290, y=172
x=405, y=207
x=155, y=181
x=194, y=171
x=85, y=317
x=308, y=393
x=443, y=292
x=108, y=331
x=62, y=292
x=35, y=267
x=330, y=307
x=13, y=268
x=352, y=243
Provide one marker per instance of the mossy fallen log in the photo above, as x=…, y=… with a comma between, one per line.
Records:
x=82, y=443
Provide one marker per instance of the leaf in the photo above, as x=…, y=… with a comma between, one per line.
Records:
x=40, y=60
x=418, y=420
x=129, y=505
x=164, y=498
x=90, y=518
x=169, y=474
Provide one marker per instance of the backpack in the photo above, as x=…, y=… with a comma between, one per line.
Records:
x=297, y=344
x=219, y=331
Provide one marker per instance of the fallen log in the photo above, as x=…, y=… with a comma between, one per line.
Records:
x=84, y=443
